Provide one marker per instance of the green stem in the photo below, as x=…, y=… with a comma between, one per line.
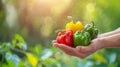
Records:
x=18, y=50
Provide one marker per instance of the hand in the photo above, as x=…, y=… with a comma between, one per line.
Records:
x=79, y=51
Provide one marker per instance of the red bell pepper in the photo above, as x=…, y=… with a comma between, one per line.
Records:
x=66, y=38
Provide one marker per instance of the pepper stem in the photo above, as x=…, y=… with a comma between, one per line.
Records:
x=82, y=31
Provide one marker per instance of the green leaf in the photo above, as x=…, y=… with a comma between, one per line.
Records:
x=12, y=59
x=19, y=42
x=50, y=61
x=4, y=65
x=19, y=38
x=4, y=47
x=10, y=63
x=21, y=64
x=22, y=45
x=38, y=49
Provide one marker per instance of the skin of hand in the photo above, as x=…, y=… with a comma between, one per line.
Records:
x=80, y=51
x=106, y=40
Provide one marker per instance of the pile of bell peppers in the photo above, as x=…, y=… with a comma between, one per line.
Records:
x=76, y=34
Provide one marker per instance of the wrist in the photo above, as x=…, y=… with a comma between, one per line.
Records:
x=102, y=43
x=98, y=43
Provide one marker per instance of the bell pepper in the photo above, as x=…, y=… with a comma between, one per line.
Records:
x=81, y=38
x=66, y=38
x=92, y=30
x=74, y=26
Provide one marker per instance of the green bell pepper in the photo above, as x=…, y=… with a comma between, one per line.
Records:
x=81, y=38
x=91, y=29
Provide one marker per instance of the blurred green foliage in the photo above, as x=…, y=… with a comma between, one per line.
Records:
x=26, y=33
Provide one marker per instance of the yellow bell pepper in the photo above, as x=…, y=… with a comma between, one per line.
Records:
x=74, y=26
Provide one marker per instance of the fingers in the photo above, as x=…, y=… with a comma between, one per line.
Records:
x=68, y=50
x=79, y=51
x=54, y=41
x=63, y=46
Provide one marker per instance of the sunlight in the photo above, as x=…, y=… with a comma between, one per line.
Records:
x=48, y=7
x=90, y=8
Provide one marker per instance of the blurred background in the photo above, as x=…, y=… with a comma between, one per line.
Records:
x=27, y=28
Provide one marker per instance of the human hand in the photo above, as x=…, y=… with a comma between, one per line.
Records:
x=79, y=51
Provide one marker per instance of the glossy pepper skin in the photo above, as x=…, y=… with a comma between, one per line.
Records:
x=81, y=38
x=66, y=38
x=74, y=26
x=91, y=29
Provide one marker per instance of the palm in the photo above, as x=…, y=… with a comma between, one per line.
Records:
x=79, y=51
